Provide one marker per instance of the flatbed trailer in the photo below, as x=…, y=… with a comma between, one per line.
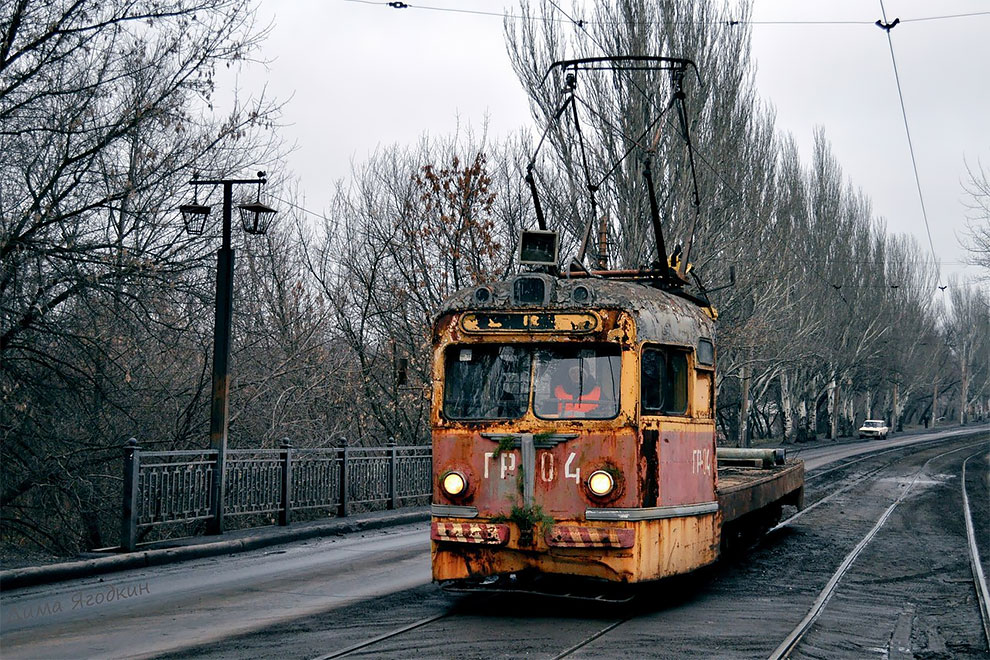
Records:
x=744, y=490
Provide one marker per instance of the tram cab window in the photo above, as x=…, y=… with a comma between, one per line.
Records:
x=577, y=382
x=664, y=386
x=486, y=381
x=492, y=381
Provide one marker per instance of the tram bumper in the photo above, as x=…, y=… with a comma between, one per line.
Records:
x=624, y=551
x=471, y=532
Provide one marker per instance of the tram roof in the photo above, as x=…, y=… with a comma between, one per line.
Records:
x=660, y=316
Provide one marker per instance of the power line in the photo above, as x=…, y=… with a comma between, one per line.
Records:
x=730, y=22
x=886, y=27
x=454, y=10
x=939, y=18
x=300, y=208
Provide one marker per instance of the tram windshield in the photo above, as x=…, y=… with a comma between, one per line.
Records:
x=575, y=382
x=492, y=381
x=487, y=381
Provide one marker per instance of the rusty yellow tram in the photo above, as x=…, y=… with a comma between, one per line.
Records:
x=574, y=434
x=573, y=412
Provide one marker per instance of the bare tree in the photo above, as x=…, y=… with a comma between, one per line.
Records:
x=977, y=190
x=966, y=330
x=103, y=114
x=415, y=225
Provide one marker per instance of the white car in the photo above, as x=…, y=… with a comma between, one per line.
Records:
x=874, y=428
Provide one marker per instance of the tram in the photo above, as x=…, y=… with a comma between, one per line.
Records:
x=573, y=421
x=574, y=434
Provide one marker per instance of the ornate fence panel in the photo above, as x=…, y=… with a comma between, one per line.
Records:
x=254, y=481
x=315, y=478
x=368, y=475
x=175, y=486
x=414, y=477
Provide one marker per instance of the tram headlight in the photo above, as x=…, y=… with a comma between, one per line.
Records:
x=453, y=483
x=601, y=483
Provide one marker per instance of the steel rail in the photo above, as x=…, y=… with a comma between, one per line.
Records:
x=791, y=641
x=838, y=491
x=380, y=638
x=590, y=639
x=974, y=558
x=866, y=457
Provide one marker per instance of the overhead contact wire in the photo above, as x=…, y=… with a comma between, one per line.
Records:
x=547, y=19
x=886, y=27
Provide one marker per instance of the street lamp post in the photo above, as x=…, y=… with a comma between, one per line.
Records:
x=255, y=219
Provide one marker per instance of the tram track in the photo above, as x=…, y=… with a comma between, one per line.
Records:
x=909, y=449
x=790, y=643
x=974, y=557
x=383, y=637
x=580, y=645
x=822, y=500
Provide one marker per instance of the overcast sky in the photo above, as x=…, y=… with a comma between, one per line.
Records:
x=361, y=74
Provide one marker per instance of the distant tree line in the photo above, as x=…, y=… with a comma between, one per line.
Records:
x=832, y=319
x=106, y=304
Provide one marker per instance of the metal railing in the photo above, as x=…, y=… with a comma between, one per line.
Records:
x=164, y=487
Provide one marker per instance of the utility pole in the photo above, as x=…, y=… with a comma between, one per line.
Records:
x=744, y=407
x=934, y=402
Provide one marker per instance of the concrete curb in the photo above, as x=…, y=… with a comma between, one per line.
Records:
x=18, y=578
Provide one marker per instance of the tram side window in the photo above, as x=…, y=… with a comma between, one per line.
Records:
x=663, y=382
x=486, y=382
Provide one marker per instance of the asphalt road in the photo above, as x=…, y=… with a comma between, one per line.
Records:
x=909, y=589
x=148, y=612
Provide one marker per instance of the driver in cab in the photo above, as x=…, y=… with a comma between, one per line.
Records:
x=577, y=393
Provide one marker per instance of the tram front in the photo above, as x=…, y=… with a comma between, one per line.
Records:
x=539, y=454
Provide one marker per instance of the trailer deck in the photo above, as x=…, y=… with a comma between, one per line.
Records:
x=745, y=489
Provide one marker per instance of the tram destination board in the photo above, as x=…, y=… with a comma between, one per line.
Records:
x=529, y=322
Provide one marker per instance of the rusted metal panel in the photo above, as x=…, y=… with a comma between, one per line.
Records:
x=487, y=534
x=574, y=536
x=498, y=480
x=675, y=546
x=687, y=463
x=744, y=490
x=649, y=468
x=660, y=316
x=703, y=395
